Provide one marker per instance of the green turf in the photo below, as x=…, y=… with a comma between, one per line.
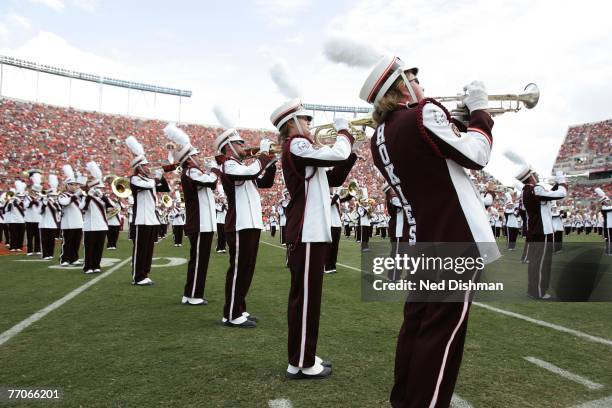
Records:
x=124, y=346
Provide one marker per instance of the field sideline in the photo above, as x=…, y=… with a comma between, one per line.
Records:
x=119, y=345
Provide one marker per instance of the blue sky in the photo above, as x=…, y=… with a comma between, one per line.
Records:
x=223, y=52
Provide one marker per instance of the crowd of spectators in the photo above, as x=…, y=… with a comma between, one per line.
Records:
x=587, y=145
x=46, y=137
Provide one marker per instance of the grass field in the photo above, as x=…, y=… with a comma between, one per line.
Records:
x=116, y=345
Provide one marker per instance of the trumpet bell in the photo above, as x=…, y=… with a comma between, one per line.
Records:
x=166, y=200
x=121, y=187
x=530, y=96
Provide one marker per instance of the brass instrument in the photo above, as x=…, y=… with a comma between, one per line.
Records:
x=121, y=187
x=166, y=200
x=112, y=140
x=9, y=195
x=352, y=189
x=254, y=150
x=326, y=134
x=112, y=212
x=528, y=98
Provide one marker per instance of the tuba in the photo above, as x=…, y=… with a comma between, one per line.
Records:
x=121, y=187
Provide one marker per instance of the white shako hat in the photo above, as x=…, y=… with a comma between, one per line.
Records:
x=230, y=135
x=96, y=174
x=69, y=177
x=288, y=110
x=382, y=76
x=137, y=151
x=184, y=149
x=20, y=188
x=525, y=171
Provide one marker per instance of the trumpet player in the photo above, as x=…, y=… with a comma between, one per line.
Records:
x=365, y=227
x=198, y=186
x=308, y=231
x=336, y=230
x=71, y=218
x=144, y=187
x=95, y=224
x=32, y=214
x=422, y=153
x=243, y=223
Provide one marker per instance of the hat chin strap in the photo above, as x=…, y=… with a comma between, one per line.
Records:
x=231, y=145
x=298, y=126
x=409, y=87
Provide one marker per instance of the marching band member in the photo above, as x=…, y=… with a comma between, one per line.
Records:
x=273, y=224
x=401, y=225
x=600, y=224
x=606, y=212
x=95, y=225
x=72, y=218
x=579, y=224
x=243, y=223
x=280, y=209
x=346, y=222
x=177, y=218
x=336, y=230
x=49, y=223
x=308, y=230
x=115, y=222
x=32, y=217
x=512, y=222
x=567, y=222
x=417, y=136
x=557, y=228
x=201, y=222
x=488, y=196
x=365, y=228
x=588, y=223
x=221, y=210
x=383, y=224
x=144, y=188
x=15, y=210
x=537, y=198
x=3, y=230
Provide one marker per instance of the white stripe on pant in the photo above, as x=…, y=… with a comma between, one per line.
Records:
x=195, y=275
x=305, y=305
x=231, y=310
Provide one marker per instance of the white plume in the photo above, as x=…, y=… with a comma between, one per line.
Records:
x=134, y=146
x=68, y=172
x=350, y=52
x=94, y=170
x=53, y=181
x=281, y=77
x=20, y=187
x=176, y=135
x=224, y=118
x=36, y=179
x=514, y=157
x=600, y=192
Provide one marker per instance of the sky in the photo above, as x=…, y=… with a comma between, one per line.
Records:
x=223, y=52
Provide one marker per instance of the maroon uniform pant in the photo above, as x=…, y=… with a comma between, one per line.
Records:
x=32, y=237
x=112, y=236
x=197, y=268
x=47, y=241
x=243, y=246
x=306, y=263
x=142, y=250
x=429, y=352
x=540, y=261
x=332, y=254
x=93, y=246
x=71, y=242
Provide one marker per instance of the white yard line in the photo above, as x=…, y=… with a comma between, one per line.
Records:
x=564, y=373
x=19, y=327
x=280, y=403
x=600, y=403
x=458, y=402
x=542, y=323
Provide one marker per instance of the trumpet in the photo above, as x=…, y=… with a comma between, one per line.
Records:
x=352, y=189
x=253, y=151
x=326, y=134
x=121, y=187
x=528, y=98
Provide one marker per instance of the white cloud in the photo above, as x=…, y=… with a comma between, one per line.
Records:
x=56, y=5
x=19, y=20
x=87, y=5
x=281, y=13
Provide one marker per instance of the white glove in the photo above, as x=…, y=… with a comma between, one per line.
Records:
x=477, y=97
x=341, y=124
x=159, y=173
x=560, y=177
x=264, y=145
